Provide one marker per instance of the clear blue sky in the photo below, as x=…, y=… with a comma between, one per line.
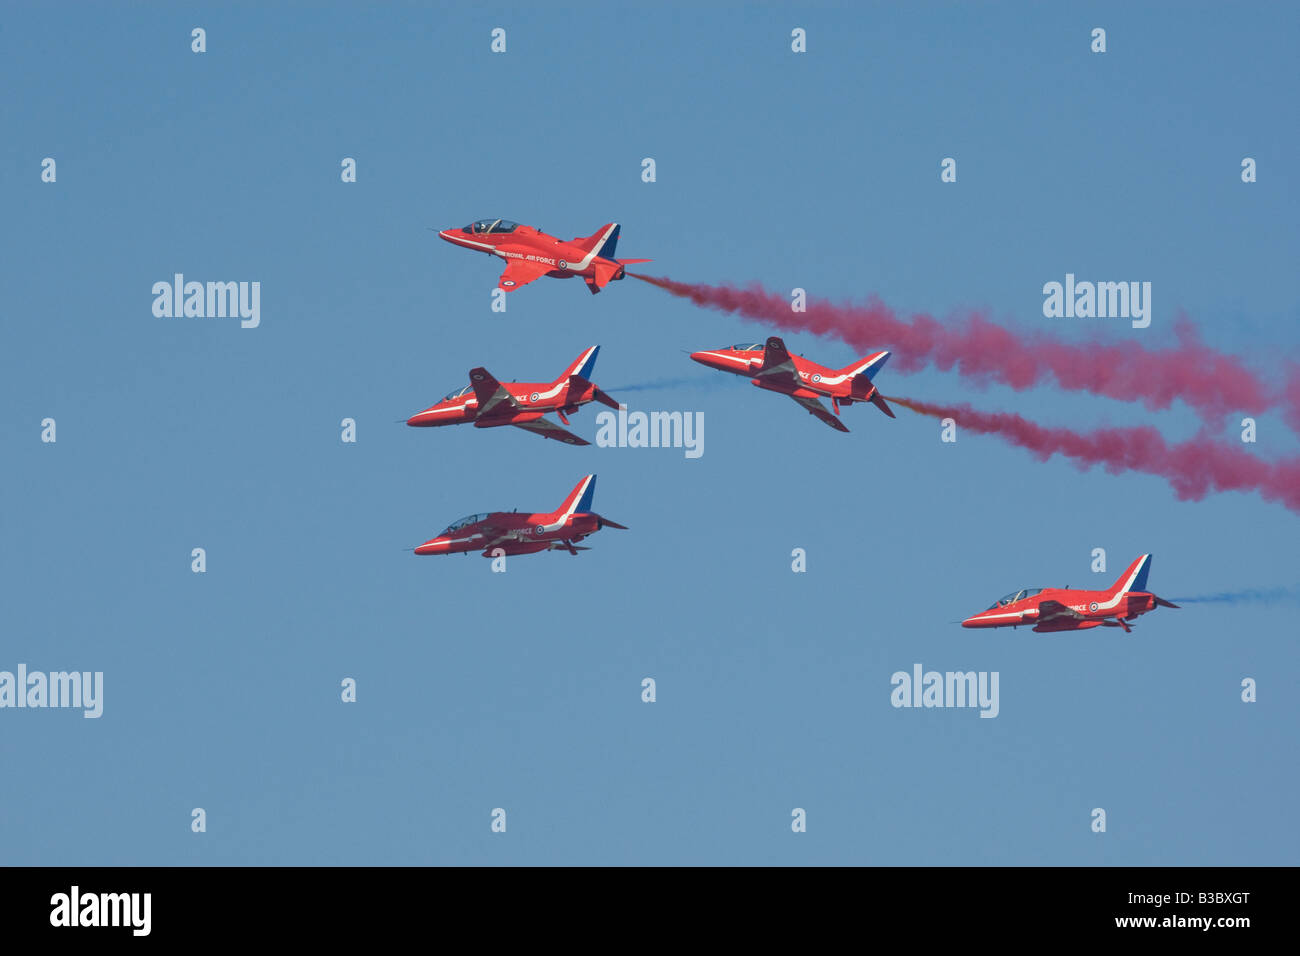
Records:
x=522, y=690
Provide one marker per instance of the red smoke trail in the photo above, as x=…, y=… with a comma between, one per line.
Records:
x=1194, y=468
x=1213, y=384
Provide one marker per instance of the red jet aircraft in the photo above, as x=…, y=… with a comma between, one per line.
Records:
x=774, y=368
x=1061, y=609
x=488, y=403
x=531, y=253
x=516, y=533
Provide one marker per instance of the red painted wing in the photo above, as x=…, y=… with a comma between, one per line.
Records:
x=778, y=367
x=540, y=426
x=818, y=409
x=1055, y=611
x=491, y=394
x=520, y=272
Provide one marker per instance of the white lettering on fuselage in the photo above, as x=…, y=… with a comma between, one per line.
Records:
x=529, y=257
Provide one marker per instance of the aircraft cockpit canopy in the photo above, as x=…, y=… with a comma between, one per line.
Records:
x=494, y=226
x=747, y=347
x=457, y=525
x=1016, y=596
x=464, y=390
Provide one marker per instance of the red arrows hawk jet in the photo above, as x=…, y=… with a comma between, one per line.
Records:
x=770, y=366
x=516, y=533
x=1061, y=609
x=531, y=253
x=488, y=403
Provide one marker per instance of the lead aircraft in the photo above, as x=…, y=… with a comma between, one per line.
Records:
x=531, y=253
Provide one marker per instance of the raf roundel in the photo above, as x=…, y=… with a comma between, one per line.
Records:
x=562, y=264
x=534, y=397
x=1092, y=606
x=508, y=283
x=817, y=377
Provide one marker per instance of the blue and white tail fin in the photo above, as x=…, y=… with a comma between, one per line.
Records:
x=863, y=388
x=602, y=242
x=583, y=365
x=610, y=244
x=868, y=366
x=1134, y=577
x=579, y=499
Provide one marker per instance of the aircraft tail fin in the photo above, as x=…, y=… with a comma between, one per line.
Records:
x=1134, y=577
x=864, y=389
x=583, y=365
x=603, y=241
x=868, y=366
x=606, y=249
x=579, y=499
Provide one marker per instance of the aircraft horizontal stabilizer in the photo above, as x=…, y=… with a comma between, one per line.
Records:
x=604, y=398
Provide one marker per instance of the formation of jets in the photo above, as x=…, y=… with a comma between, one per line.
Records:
x=1063, y=609
x=487, y=402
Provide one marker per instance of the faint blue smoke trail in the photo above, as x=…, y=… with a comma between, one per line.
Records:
x=696, y=381
x=1247, y=596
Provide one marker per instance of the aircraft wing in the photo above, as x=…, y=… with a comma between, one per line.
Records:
x=491, y=394
x=547, y=429
x=776, y=359
x=494, y=538
x=818, y=409
x=1055, y=611
x=778, y=368
x=520, y=272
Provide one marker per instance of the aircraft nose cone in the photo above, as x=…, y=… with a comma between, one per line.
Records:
x=430, y=416
x=700, y=357
x=971, y=621
x=429, y=547
x=446, y=234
